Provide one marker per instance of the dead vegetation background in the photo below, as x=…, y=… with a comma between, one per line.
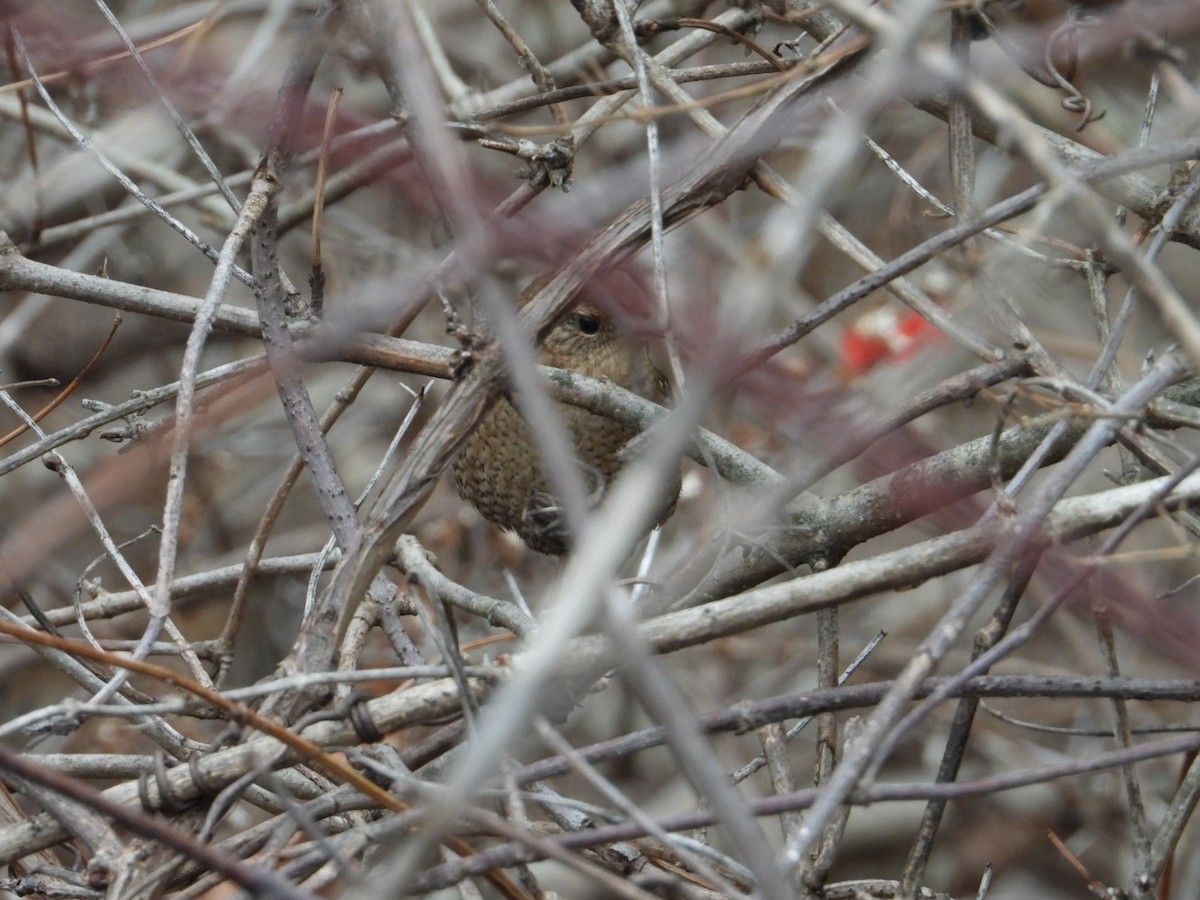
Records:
x=926, y=276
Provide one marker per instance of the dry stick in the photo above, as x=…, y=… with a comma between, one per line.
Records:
x=451, y=873
x=962, y=152
x=237, y=712
x=689, y=44
x=442, y=631
x=216, y=811
x=57, y=464
x=315, y=645
x=868, y=751
x=570, y=815
x=316, y=278
x=239, y=372
x=540, y=75
x=92, y=65
x=181, y=126
x=960, y=729
x=1094, y=170
x=736, y=36
x=640, y=62
x=454, y=89
x=615, y=85
x=390, y=713
x=194, y=239
x=962, y=173
x=1164, y=231
x=253, y=839
x=1170, y=829
x=315, y=341
x=960, y=388
x=736, y=569
x=1135, y=191
x=343, y=399
x=900, y=570
x=773, y=741
x=1096, y=887
x=628, y=807
x=302, y=748
x=10, y=51
x=664, y=704
x=589, y=56
x=1105, y=367
x=1147, y=121
x=885, y=504
x=383, y=463
x=115, y=603
x=43, y=860
x=815, y=872
x=155, y=728
x=778, y=187
x=76, y=601
x=1006, y=234
x=812, y=874
x=69, y=389
x=412, y=559
x=147, y=706
x=1173, y=311
x=758, y=713
x=270, y=292
x=607, y=883
x=299, y=210
x=759, y=761
x=507, y=138
x=257, y=879
x=1182, y=806
x=1122, y=732
x=844, y=520
x=30, y=383
x=160, y=606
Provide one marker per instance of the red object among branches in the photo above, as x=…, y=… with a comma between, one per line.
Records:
x=883, y=335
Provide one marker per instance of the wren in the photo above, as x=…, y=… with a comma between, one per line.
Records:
x=499, y=469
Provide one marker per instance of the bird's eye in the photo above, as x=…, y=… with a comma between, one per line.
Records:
x=588, y=324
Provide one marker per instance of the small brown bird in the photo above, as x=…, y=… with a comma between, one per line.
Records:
x=499, y=469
